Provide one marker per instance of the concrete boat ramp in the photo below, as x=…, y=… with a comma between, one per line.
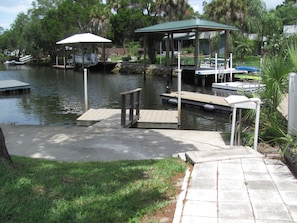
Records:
x=226, y=184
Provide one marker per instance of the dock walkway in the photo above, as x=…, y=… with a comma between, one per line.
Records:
x=14, y=87
x=111, y=118
x=205, y=101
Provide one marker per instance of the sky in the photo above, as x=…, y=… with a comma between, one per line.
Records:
x=9, y=9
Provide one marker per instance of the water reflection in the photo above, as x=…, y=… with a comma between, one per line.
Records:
x=57, y=97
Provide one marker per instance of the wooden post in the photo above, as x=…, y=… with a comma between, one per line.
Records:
x=179, y=89
x=86, y=88
x=64, y=58
x=131, y=112
x=226, y=48
x=196, y=53
x=123, y=113
x=167, y=51
x=144, y=62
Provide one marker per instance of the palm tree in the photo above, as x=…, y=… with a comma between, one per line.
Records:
x=255, y=17
x=100, y=15
x=227, y=11
x=172, y=10
x=293, y=55
x=275, y=78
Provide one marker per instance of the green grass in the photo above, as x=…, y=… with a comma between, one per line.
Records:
x=253, y=61
x=50, y=191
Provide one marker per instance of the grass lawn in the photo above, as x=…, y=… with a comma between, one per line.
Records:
x=50, y=191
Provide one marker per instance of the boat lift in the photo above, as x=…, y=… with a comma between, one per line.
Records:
x=238, y=101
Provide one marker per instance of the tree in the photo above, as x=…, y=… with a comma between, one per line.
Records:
x=4, y=155
x=100, y=15
x=170, y=10
x=231, y=12
x=243, y=47
x=124, y=23
x=287, y=12
x=254, y=18
x=275, y=78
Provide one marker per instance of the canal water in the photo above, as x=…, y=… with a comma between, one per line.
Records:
x=57, y=97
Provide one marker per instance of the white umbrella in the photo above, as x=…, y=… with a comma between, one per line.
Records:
x=84, y=38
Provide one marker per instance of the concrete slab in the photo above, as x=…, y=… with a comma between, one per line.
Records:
x=74, y=143
x=216, y=155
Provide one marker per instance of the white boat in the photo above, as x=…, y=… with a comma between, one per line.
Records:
x=22, y=61
x=26, y=58
x=13, y=62
x=87, y=59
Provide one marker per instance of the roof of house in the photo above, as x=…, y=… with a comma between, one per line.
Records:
x=186, y=26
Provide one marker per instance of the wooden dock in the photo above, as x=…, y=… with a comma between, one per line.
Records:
x=57, y=66
x=111, y=118
x=205, y=101
x=14, y=87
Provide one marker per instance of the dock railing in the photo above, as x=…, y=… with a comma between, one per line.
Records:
x=130, y=107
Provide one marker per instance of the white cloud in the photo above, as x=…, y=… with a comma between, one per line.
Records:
x=9, y=9
x=197, y=5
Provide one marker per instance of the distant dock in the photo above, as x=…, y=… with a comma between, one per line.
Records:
x=8, y=87
x=111, y=118
x=195, y=99
x=205, y=76
x=63, y=66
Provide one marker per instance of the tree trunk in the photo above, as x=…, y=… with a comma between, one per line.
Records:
x=3, y=150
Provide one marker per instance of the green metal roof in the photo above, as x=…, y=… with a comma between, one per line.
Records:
x=185, y=25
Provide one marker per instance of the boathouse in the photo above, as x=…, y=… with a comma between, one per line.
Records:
x=196, y=26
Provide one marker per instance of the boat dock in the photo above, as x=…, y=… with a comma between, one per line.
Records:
x=205, y=76
x=111, y=118
x=195, y=99
x=57, y=66
x=238, y=86
x=14, y=87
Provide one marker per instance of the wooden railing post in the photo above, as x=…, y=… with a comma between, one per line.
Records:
x=134, y=104
x=131, y=107
x=123, y=112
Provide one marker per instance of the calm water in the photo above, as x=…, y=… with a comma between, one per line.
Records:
x=57, y=97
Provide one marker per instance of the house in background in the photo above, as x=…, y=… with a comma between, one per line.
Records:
x=290, y=30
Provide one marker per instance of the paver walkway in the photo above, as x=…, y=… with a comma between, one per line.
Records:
x=248, y=190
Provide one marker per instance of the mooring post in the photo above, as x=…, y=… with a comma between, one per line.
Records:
x=86, y=88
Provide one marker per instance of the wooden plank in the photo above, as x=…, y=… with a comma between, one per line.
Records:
x=111, y=118
x=157, y=119
x=198, y=99
x=96, y=115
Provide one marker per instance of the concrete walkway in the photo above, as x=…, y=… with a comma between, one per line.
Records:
x=226, y=185
x=248, y=190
